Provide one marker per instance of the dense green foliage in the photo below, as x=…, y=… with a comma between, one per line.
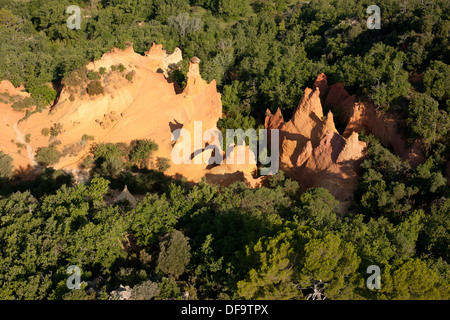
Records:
x=233, y=242
x=243, y=243
x=48, y=156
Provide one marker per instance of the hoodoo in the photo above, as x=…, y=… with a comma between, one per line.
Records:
x=313, y=152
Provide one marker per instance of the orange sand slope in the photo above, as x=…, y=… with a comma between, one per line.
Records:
x=8, y=119
x=148, y=107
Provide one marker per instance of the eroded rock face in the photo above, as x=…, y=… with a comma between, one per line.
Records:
x=274, y=121
x=337, y=95
x=333, y=164
x=307, y=124
x=312, y=151
x=121, y=293
x=9, y=139
x=148, y=107
x=364, y=115
x=321, y=83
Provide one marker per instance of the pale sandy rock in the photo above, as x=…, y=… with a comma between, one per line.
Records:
x=312, y=151
x=305, y=154
x=159, y=55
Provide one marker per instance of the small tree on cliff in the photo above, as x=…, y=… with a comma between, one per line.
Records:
x=141, y=150
x=95, y=87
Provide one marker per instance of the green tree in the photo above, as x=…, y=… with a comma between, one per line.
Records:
x=95, y=87
x=273, y=278
x=152, y=217
x=175, y=254
x=382, y=71
x=317, y=209
x=410, y=280
x=426, y=120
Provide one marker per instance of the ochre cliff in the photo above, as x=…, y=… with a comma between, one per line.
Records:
x=147, y=107
x=364, y=115
x=313, y=152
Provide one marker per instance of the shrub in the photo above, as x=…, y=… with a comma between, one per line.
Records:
x=6, y=167
x=45, y=132
x=42, y=95
x=102, y=71
x=48, y=156
x=142, y=150
x=85, y=138
x=145, y=291
x=22, y=104
x=56, y=129
x=107, y=151
x=95, y=87
x=87, y=162
x=28, y=138
x=168, y=289
x=162, y=164
x=93, y=75
x=111, y=167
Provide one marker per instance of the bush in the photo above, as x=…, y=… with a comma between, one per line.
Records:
x=6, y=166
x=162, y=164
x=175, y=254
x=141, y=150
x=168, y=289
x=145, y=291
x=95, y=87
x=85, y=138
x=130, y=75
x=45, y=132
x=48, y=156
x=22, y=104
x=42, y=95
x=112, y=167
x=87, y=162
x=102, y=71
x=28, y=138
x=93, y=75
x=436, y=80
x=56, y=129
x=108, y=151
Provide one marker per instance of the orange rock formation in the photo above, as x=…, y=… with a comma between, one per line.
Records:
x=312, y=151
x=148, y=107
x=364, y=115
